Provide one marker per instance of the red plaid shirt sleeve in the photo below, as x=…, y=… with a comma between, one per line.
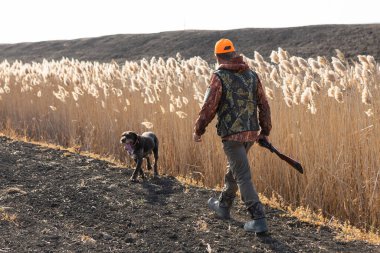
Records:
x=210, y=105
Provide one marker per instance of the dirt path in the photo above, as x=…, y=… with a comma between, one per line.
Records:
x=55, y=201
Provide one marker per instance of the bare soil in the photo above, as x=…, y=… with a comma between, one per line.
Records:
x=65, y=202
x=306, y=41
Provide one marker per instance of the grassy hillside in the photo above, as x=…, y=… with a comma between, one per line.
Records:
x=309, y=41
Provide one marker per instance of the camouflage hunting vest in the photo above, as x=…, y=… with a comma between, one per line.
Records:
x=237, y=110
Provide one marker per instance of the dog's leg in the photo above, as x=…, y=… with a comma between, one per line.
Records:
x=155, y=153
x=134, y=176
x=149, y=165
x=137, y=170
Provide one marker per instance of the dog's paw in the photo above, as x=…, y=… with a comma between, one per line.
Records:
x=133, y=180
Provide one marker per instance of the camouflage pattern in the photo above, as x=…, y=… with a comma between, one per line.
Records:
x=237, y=110
x=213, y=96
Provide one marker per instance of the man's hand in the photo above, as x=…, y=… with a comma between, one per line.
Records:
x=262, y=136
x=197, y=138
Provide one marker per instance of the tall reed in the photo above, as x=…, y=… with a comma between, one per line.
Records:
x=325, y=114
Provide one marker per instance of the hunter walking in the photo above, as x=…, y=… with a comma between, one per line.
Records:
x=236, y=95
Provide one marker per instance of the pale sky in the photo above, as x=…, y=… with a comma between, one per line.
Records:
x=39, y=20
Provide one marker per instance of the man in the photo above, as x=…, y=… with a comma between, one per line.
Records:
x=236, y=95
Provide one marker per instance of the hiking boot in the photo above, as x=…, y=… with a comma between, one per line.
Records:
x=258, y=224
x=221, y=210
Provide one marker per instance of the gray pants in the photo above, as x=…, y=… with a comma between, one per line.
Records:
x=238, y=175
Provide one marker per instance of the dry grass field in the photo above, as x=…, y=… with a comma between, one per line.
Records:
x=325, y=113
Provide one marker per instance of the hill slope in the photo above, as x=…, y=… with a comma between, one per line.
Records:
x=56, y=201
x=308, y=41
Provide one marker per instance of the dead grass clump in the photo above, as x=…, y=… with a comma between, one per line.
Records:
x=87, y=239
x=14, y=190
x=202, y=225
x=5, y=216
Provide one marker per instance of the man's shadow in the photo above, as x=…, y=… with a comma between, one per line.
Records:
x=266, y=238
x=273, y=243
x=159, y=189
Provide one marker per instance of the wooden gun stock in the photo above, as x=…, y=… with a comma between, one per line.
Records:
x=264, y=143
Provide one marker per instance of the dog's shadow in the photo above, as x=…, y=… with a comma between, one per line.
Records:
x=158, y=189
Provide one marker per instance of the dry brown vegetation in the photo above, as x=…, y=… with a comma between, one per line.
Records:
x=325, y=114
x=5, y=216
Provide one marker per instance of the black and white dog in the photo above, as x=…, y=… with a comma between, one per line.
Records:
x=139, y=147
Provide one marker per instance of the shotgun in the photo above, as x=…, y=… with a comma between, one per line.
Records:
x=264, y=143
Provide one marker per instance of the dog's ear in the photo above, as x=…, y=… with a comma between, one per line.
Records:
x=125, y=133
x=123, y=136
x=134, y=135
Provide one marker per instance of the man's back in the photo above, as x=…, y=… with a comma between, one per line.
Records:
x=237, y=110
